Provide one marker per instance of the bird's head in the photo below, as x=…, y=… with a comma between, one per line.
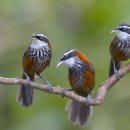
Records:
x=40, y=39
x=72, y=58
x=122, y=31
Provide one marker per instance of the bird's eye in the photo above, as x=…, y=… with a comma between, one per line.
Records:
x=65, y=57
x=38, y=37
x=122, y=29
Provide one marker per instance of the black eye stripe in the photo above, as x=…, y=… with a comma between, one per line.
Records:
x=42, y=38
x=124, y=29
x=65, y=57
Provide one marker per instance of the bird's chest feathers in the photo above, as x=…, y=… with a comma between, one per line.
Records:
x=39, y=56
x=76, y=78
x=120, y=48
x=122, y=35
x=82, y=81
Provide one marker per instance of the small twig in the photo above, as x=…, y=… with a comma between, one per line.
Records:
x=106, y=85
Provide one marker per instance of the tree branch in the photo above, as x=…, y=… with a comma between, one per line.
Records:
x=105, y=86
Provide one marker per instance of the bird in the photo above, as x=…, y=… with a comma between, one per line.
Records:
x=35, y=59
x=82, y=80
x=119, y=48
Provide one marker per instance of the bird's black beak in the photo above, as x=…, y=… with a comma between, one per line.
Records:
x=33, y=36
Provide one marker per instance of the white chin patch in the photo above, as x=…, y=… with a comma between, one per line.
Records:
x=70, y=62
x=37, y=43
x=122, y=35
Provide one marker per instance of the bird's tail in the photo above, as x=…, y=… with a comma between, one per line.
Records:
x=25, y=93
x=79, y=113
x=117, y=66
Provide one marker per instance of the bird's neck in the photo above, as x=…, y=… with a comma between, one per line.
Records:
x=78, y=67
x=123, y=36
x=37, y=44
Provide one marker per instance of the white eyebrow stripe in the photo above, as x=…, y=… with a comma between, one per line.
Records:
x=40, y=34
x=68, y=52
x=126, y=27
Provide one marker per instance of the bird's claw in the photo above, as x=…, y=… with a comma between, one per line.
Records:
x=88, y=98
x=50, y=88
x=116, y=72
x=27, y=79
x=118, y=75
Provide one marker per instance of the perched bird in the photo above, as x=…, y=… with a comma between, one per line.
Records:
x=35, y=59
x=82, y=80
x=119, y=48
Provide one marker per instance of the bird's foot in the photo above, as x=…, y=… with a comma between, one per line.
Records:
x=50, y=88
x=117, y=74
x=27, y=79
x=88, y=98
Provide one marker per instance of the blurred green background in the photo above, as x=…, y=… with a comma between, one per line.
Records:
x=85, y=25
